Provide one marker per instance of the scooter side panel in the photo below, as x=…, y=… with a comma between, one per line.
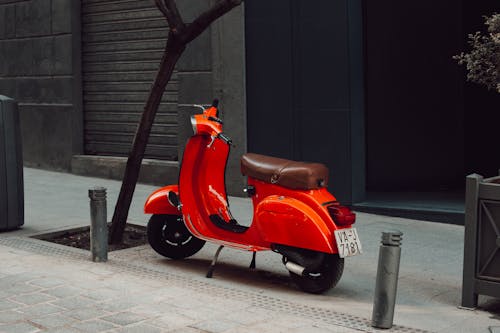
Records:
x=287, y=221
x=157, y=202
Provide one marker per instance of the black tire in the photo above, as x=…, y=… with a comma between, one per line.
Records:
x=325, y=276
x=168, y=236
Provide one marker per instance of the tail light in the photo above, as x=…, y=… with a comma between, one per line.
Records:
x=342, y=215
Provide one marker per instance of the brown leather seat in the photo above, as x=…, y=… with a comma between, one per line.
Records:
x=291, y=174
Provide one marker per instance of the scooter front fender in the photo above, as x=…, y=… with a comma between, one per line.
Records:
x=157, y=202
x=288, y=221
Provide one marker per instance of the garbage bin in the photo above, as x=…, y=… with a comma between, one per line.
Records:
x=11, y=167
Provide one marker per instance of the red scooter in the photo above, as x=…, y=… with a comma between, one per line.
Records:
x=294, y=214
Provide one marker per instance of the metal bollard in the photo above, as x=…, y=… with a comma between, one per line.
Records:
x=98, y=224
x=387, y=279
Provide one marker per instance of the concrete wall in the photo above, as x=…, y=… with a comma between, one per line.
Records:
x=40, y=68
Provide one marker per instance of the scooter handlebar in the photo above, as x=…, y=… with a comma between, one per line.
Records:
x=215, y=103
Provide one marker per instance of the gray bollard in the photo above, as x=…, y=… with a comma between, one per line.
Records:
x=387, y=279
x=98, y=224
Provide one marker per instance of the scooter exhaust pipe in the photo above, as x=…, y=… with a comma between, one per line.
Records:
x=295, y=268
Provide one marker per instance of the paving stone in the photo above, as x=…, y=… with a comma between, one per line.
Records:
x=187, y=302
x=47, y=282
x=4, y=294
x=125, y=318
x=197, y=313
x=53, y=321
x=18, y=328
x=139, y=328
x=93, y=326
x=21, y=288
x=31, y=299
x=10, y=316
x=65, y=330
x=8, y=305
x=63, y=291
x=86, y=313
x=216, y=325
x=15, y=270
x=243, y=317
x=117, y=306
x=290, y=321
x=151, y=310
x=262, y=327
x=18, y=278
x=73, y=303
x=186, y=330
x=170, y=321
x=102, y=294
x=40, y=310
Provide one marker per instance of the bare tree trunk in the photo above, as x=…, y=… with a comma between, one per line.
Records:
x=173, y=51
x=179, y=36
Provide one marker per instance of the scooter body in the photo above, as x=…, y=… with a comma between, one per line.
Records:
x=296, y=222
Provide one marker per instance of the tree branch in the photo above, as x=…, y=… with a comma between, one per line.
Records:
x=177, y=21
x=205, y=19
x=163, y=9
x=169, y=10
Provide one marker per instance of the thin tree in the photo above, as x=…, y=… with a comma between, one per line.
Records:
x=180, y=34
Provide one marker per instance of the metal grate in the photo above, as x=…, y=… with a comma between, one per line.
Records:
x=122, y=45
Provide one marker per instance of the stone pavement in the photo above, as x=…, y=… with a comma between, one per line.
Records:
x=51, y=288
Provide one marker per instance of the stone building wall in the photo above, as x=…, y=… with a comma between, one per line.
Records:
x=40, y=68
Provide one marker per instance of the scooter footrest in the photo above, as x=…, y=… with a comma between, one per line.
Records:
x=232, y=225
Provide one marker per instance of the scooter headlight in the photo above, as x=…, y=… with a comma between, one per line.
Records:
x=193, y=123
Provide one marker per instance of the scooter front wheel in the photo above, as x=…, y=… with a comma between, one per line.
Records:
x=168, y=236
x=323, y=277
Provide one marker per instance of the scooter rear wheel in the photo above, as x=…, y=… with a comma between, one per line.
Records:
x=168, y=236
x=323, y=277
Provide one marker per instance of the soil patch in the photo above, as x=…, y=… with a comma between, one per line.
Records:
x=134, y=235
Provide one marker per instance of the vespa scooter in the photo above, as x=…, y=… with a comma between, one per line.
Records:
x=294, y=214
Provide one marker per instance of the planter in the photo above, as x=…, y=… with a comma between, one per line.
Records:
x=481, y=274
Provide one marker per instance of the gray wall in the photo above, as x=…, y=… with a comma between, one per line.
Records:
x=40, y=67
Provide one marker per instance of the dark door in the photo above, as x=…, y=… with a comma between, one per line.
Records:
x=298, y=84
x=414, y=98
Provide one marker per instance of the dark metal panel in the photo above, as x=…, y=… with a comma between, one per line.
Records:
x=322, y=89
x=11, y=166
x=123, y=42
x=489, y=191
x=322, y=55
x=414, y=113
x=324, y=138
x=469, y=293
x=488, y=260
x=299, y=88
x=269, y=77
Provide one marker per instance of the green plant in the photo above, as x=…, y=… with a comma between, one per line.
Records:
x=483, y=61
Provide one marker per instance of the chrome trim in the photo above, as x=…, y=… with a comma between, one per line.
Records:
x=193, y=124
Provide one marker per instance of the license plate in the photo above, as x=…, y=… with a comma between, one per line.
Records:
x=348, y=242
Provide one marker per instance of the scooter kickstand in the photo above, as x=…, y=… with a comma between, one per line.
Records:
x=214, y=261
x=252, y=264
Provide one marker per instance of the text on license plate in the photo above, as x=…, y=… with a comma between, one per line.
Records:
x=348, y=242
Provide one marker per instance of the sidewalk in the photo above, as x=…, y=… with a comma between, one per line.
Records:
x=51, y=288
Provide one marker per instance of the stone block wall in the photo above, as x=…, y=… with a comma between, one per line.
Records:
x=40, y=68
